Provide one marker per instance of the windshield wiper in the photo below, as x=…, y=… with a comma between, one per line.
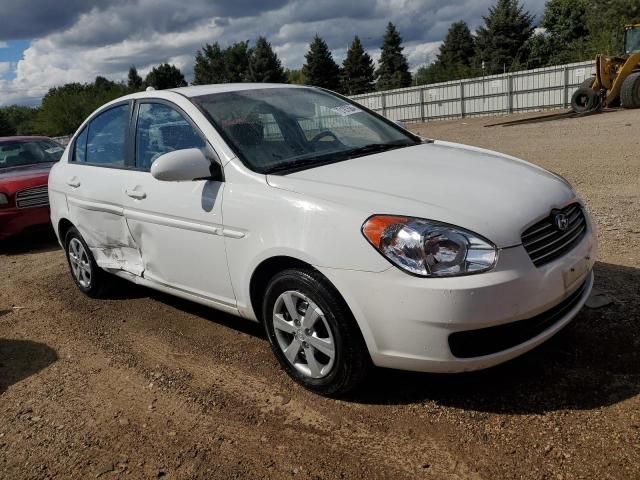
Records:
x=333, y=157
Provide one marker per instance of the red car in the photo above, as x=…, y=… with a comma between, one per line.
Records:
x=24, y=171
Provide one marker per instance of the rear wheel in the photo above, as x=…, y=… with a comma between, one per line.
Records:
x=313, y=334
x=88, y=277
x=630, y=91
x=585, y=99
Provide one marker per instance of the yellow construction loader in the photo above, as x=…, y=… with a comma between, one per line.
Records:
x=617, y=79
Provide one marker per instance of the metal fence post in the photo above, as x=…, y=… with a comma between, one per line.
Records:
x=383, y=103
x=461, y=99
x=422, y=117
x=509, y=93
x=565, y=83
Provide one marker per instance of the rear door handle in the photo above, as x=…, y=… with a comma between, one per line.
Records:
x=73, y=182
x=137, y=194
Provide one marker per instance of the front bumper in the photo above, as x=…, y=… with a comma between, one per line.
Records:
x=407, y=321
x=15, y=220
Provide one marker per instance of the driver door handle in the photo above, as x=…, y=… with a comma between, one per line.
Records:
x=137, y=194
x=73, y=182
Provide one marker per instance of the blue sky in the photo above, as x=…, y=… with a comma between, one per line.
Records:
x=52, y=43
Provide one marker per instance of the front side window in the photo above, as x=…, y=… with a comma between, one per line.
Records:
x=162, y=129
x=280, y=129
x=106, y=137
x=14, y=153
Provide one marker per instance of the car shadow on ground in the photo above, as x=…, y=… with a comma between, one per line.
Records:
x=592, y=363
x=20, y=359
x=35, y=241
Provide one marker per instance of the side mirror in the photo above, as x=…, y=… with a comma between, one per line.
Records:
x=184, y=166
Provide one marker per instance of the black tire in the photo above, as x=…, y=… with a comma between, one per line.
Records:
x=588, y=83
x=630, y=91
x=98, y=282
x=585, y=99
x=351, y=361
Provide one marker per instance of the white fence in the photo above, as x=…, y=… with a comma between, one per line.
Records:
x=538, y=89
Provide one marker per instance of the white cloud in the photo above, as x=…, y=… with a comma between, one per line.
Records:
x=107, y=40
x=4, y=44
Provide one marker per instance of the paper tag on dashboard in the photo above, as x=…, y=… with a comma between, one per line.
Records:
x=344, y=110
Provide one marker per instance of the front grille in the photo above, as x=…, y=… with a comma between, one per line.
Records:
x=545, y=241
x=485, y=341
x=33, y=197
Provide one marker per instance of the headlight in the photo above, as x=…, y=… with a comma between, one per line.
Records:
x=427, y=248
x=4, y=200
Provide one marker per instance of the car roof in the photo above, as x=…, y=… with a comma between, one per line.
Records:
x=23, y=138
x=198, y=90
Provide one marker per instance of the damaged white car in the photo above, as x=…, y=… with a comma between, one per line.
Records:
x=353, y=241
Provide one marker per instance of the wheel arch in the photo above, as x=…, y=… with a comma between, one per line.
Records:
x=64, y=224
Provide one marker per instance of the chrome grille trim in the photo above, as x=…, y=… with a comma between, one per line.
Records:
x=544, y=242
x=33, y=197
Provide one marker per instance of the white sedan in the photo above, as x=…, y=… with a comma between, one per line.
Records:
x=354, y=242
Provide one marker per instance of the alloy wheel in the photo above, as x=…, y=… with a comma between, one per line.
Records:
x=80, y=263
x=303, y=334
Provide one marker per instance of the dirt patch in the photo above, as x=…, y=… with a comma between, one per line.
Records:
x=144, y=385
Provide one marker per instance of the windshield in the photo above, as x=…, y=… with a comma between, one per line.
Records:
x=632, y=40
x=287, y=129
x=15, y=153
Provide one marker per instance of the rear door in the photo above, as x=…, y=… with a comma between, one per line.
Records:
x=94, y=182
x=177, y=226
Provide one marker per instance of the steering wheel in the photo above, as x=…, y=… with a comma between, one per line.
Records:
x=324, y=133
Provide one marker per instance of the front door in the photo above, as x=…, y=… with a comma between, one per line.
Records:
x=176, y=225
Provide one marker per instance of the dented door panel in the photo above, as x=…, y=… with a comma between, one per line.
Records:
x=178, y=229
x=95, y=207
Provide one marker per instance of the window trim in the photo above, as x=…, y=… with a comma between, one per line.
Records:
x=127, y=140
x=133, y=128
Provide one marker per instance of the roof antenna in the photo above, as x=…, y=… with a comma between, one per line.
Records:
x=149, y=89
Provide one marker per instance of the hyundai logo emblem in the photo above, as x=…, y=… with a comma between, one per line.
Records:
x=561, y=221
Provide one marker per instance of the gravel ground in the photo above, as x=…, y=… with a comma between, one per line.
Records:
x=143, y=385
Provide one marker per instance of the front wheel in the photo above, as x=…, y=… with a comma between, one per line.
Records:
x=313, y=333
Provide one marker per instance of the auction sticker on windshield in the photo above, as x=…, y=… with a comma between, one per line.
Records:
x=346, y=109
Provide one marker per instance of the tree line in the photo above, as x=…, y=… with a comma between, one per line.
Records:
x=506, y=41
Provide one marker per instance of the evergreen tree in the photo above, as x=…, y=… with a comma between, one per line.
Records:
x=565, y=20
x=454, y=60
x=236, y=62
x=393, y=69
x=264, y=64
x=357, y=75
x=209, y=66
x=502, y=40
x=165, y=76
x=320, y=69
x=6, y=128
x=134, y=81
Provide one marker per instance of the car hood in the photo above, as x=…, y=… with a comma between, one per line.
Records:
x=25, y=171
x=494, y=195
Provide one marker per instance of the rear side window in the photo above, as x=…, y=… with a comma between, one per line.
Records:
x=162, y=129
x=80, y=149
x=106, y=137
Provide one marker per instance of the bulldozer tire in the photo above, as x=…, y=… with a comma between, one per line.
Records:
x=585, y=99
x=630, y=91
x=588, y=83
